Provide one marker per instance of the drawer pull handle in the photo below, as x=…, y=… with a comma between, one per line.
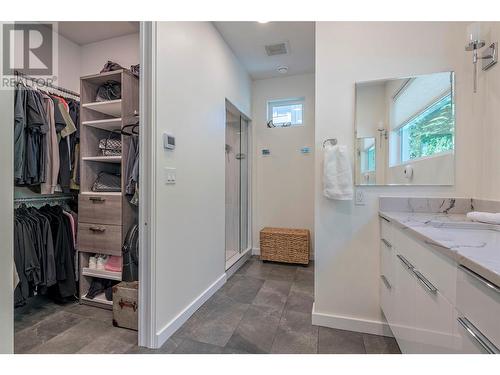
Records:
x=386, y=282
x=387, y=243
x=383, y=218
x=480, y=279
x=405, y=262
x=97, y=199
x=425, y=282
x=97, y=229
x=478, y=336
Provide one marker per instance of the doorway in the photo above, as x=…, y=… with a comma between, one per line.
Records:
x=237, y=184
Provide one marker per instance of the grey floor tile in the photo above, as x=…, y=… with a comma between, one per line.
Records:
x=117, y=341
x=303, y=275
x=75, y=338
x=280, y=271
x=336, y=341
x=256, y=331
x=91, y=312
x=194, y=347
x=37, y=309
x=38, y=334
x=243, y=289
x=273, y=293
x=299, y=301
x=380, y=344
x=257, y=269
x=217, y=324
x=169, y=347
x=296, y=334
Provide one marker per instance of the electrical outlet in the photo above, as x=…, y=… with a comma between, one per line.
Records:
x=359, y=198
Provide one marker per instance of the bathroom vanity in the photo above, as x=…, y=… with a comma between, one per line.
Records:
x=439, y=276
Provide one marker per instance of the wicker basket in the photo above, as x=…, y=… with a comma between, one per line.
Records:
x=285, y=245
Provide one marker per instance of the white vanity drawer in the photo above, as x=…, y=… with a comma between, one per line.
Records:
x=467, y=340
x=479, y=302
x=438, y=268
x=385, y=230
x=387, y=297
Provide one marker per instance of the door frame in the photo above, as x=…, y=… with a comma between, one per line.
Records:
x=147, y=193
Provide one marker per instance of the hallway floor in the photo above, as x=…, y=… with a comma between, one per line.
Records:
x=263, y=308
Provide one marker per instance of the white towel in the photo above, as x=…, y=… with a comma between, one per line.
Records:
x=337, y=173
x=484, y=217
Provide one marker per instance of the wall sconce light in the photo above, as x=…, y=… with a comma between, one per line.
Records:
x=474, y=44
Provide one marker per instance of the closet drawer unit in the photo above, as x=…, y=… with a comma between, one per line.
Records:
x=102, y=209
x=479, y=302
x=99, y=238
x=438, y=268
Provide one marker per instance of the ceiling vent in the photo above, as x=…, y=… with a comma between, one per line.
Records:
x=277, y=49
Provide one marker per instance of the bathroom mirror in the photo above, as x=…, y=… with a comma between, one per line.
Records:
x=405, y=131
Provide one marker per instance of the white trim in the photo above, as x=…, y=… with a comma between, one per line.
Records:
x=147, y=193
x=350, y=324
x=239, y=263
x=256, y=251
x=169, y=329
x=235, y=259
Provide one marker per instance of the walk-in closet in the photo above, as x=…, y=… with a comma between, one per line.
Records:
x=76, y=200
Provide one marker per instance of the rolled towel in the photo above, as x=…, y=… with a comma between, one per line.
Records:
x=484, y=217
x=337, y=173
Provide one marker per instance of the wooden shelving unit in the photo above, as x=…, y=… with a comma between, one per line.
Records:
x=104, y=218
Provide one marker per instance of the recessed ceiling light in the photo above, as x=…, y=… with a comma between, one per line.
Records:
x=282, y=69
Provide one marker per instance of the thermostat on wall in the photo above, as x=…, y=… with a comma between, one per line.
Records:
x=168, y=141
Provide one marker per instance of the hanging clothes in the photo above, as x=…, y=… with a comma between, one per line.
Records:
x=46, y=135
x=44, y=250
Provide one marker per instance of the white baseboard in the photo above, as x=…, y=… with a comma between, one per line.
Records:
x=168, y=330
x=238, y=264
x=350, y=324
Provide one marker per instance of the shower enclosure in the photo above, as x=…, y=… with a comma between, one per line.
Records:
x=237, y=181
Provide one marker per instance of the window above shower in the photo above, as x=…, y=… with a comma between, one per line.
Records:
x=285, y=113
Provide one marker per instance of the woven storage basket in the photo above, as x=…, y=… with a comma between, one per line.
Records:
x=285, y=245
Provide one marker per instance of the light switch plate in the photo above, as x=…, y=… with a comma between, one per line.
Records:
x=359, y=198
x=170, y=176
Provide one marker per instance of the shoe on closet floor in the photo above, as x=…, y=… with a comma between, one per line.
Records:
x=92, y=263
x=101, y=262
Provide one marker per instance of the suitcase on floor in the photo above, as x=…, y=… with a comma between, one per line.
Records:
x=126, y=305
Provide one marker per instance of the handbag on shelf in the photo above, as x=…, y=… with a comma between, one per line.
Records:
x=111, y=146
x=111, y=66
x=107, y=183
x=109, y=90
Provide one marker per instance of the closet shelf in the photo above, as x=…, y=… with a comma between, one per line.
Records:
x=111, y=107
x=117, y=193
x=99, y=299
x=104, y=159
x=107, y=124
x=103, y=274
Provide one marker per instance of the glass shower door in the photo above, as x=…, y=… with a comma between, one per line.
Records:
x=237, y=181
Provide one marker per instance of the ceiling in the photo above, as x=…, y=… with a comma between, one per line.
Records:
x=89, y=32
x=248, y=39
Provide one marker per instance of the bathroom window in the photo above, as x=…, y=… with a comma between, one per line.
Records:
x=430, y=132
x=285, y=112
x=370, y=159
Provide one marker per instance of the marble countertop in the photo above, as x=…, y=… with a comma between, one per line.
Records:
x=474, y=245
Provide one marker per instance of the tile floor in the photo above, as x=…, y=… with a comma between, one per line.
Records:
x=263, y=308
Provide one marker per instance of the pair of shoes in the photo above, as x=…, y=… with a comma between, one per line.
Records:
x=101, y=262
x=98, y=262
x=92, y=263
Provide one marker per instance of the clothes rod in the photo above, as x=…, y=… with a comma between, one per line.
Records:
x=45, y=198
x=41, y=82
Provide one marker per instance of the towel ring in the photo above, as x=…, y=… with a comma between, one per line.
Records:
x=332, y=141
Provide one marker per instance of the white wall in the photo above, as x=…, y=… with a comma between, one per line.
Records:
x=486, y=104
x=69, y=64
x=347, y=240
x=283, y=194
x=123, y=50
x=195, y=73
